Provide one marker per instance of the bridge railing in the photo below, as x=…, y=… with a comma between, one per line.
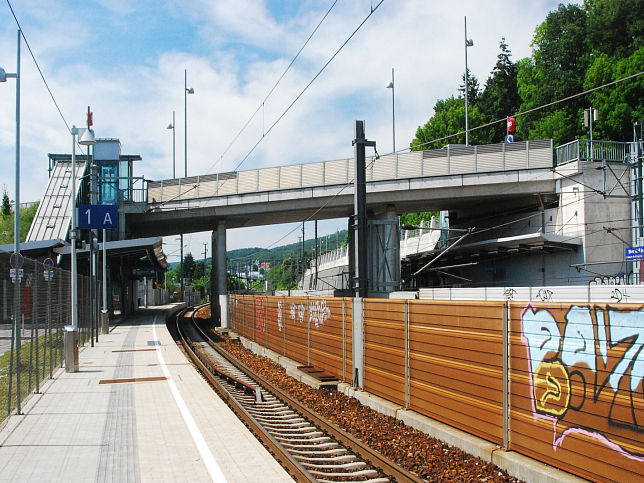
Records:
x=587, y=150
x=440, y=162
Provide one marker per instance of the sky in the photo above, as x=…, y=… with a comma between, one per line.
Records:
x=127, y=60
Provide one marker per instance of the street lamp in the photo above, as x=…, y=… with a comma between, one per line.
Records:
x=85, y=138
x=186, y=91
x=468, y=43
x=172, y=126
x=393, y=107
x=16, y=227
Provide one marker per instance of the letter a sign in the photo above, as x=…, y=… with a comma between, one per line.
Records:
x=98, y=216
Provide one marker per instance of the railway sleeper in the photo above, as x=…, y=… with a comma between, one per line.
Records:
x=353, y=474
x=336, y=459
x=344, y=466
x=290, y=427
x=302, y=438
x=371, y=480
x=310, y=430
x=327, y=445
x=332, y=451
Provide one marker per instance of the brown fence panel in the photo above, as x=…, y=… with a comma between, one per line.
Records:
x=577, y=396
x=384, y=348
x=328, y=332
x=297, y=334
x=276, y=327
x=456, y=364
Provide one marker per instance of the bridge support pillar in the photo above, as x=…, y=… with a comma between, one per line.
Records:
x=218, y=282
x=384, y=253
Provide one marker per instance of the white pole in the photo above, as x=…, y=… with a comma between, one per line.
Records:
x=104, y=273
x=73, y=234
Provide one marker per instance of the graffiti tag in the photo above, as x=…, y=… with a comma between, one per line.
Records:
x=260, y=314
x=618, y=295
x=509, y=293
x=319, y=312
x=279, y=316
x=544, y=295
x=586, y=373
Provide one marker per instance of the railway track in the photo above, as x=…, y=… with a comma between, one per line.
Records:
x=307, y=445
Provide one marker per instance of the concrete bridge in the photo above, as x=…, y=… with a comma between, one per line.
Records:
x=512, y=174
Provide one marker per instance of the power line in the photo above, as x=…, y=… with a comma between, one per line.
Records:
x=261, y=105
x=373, y=9
x=42, y=75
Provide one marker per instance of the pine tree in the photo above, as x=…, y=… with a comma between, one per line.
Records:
x=6, y=204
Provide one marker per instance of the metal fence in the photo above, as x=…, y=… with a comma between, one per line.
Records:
x=438, y=162
x=586, y=150
x=31, y=344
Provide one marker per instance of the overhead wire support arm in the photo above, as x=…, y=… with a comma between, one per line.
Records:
x=441, y=254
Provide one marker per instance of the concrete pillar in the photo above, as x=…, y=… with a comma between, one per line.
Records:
x=384, y=252
x=218, y=282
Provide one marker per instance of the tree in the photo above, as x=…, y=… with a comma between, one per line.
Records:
x=189, y=266
x=199, y=270
x=6, y=204
x=500, y=97
x=615, y=27
x=555, y=71
x=448, y=119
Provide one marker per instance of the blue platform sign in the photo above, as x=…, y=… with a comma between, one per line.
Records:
x=634, y=253
x=98, y=216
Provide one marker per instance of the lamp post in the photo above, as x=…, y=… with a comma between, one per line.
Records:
x=391, y=86
x=16, y=228
x=186, y=91
x=172, y=126
x=468, y=43
x=85, y=138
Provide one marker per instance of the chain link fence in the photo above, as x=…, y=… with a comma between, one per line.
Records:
x=31, y=344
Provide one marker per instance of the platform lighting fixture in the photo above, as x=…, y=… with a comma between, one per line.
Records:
x=391, y=86
x=16, y=216
x=172, y=126
x=186, y=90
x=468, y=43
x=85, y=137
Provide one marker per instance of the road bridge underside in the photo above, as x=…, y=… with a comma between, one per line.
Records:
x=463, y=192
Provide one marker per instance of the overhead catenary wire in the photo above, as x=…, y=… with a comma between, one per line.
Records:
x=315, y=77
x=272, y=89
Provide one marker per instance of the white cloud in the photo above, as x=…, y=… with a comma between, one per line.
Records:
x=243, y=50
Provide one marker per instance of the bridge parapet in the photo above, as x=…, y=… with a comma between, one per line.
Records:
x=416, y=164
x=587, y=150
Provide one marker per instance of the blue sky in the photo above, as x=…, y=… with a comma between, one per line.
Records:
x=126, y=59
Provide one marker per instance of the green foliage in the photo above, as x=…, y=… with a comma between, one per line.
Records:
x=189, y=264
x=283, y=276
x=7, y=225
x=448, y=118
x=415, y=219
x=576, y=48
x=500, y=97
x=6, y=204
x=622, y=104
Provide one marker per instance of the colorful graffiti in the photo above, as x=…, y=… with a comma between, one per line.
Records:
x=586, y=372
x=279, y=316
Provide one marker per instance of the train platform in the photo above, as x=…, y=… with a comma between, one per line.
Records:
x=135, y=411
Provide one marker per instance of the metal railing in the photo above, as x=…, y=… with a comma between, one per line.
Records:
x=135, y=192
x=416, y=164
x=589, y=151
x=44, y=310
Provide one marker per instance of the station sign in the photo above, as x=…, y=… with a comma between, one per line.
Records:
x=98, y=216
x=633, y=253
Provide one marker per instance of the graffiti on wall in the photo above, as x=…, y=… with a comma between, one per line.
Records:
x=319, y=312
x=260, y=314
x=586, y=372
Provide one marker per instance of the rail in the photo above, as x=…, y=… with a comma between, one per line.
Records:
x=416, y=164
x=589, y=151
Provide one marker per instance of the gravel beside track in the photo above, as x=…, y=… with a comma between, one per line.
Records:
x=414, y=450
